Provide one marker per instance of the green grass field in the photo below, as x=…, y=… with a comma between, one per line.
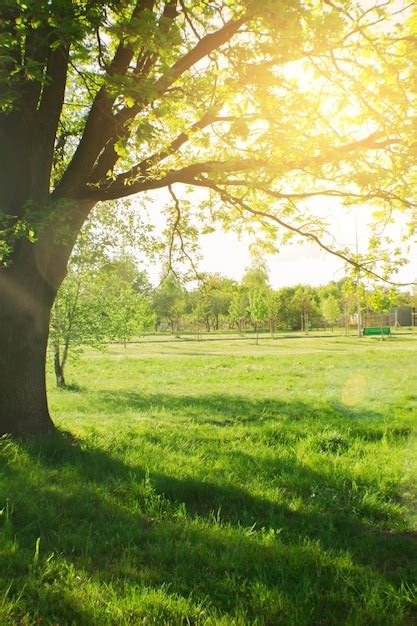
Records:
x=219, y=482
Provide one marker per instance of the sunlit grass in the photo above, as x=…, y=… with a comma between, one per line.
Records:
x=219, y=482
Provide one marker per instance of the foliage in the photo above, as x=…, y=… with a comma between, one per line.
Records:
x=330, y=310
x=128, y=311
x=120, y=302
x=238, y=307
x=134, y=96
x=79, y=318
x=256, y=276
x=100, y=299
x=258, y=308
x=381, y=299
x=170, y=302
x=305, y=300
x=211, y=300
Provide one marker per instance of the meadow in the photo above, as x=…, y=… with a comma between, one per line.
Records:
x=219, y=482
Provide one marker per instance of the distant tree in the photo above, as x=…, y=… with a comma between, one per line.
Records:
x=381, y=299
x=273, y=309
x=288, y=317
x=413, y=294
x=79, y=318
x=145, y=317
x=256, y=275
x=258, y=309
x=238, y=308
x=142, y=284
x=332, y=288
x=330, y=310
x=214, y=296
x=170, y=302
x=96, y=302
x=197, y=311
x=306, y=301
x=128, y=311
x=348, y=302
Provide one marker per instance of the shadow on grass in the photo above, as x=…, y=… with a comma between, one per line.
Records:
x=232, y=551
x=230, y=410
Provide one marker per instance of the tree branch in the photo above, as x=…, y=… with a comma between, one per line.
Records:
x=48, y=116
x=388, y=196
x=123, y=185
x=140, y=169
x=176, y=230
x=235, y=201
x=185, y=175
x=144, y=64
x=205, y=46
x=100, y=124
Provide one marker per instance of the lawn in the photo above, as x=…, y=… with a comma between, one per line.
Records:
x=219, y=482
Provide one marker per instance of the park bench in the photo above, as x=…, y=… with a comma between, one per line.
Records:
x=377, y=330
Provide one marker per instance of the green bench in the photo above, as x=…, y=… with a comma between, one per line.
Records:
x=377, y=330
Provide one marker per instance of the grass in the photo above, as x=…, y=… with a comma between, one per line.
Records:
x=219, y=482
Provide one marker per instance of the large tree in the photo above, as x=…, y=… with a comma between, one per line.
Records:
x=263, y=103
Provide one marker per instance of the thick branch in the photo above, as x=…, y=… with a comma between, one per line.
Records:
x=144, y=64
x=102, y=126
x=100, y=123
x=140, y=169
x=37, y=50
x=123, y=185
x=185, y=175
x=48, y=116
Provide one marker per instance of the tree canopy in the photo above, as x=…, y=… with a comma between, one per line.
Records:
x=267, y=104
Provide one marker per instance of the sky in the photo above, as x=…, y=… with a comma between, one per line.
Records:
x=296, y=263
x=307, y=263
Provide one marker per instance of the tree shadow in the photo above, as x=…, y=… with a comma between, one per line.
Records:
x=224, y=410
x=229, y=549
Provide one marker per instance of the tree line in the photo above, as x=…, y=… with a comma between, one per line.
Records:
x=106, y=298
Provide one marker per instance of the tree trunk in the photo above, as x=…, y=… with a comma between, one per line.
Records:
x=28, y=288
x=59, y=368
x=25, y=307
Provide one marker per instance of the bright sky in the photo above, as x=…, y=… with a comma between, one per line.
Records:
x=304, y=263
x=295, y=263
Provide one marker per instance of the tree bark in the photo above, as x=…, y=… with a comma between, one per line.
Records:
x=25, y=306
x=28, y=288
x=59, y=368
